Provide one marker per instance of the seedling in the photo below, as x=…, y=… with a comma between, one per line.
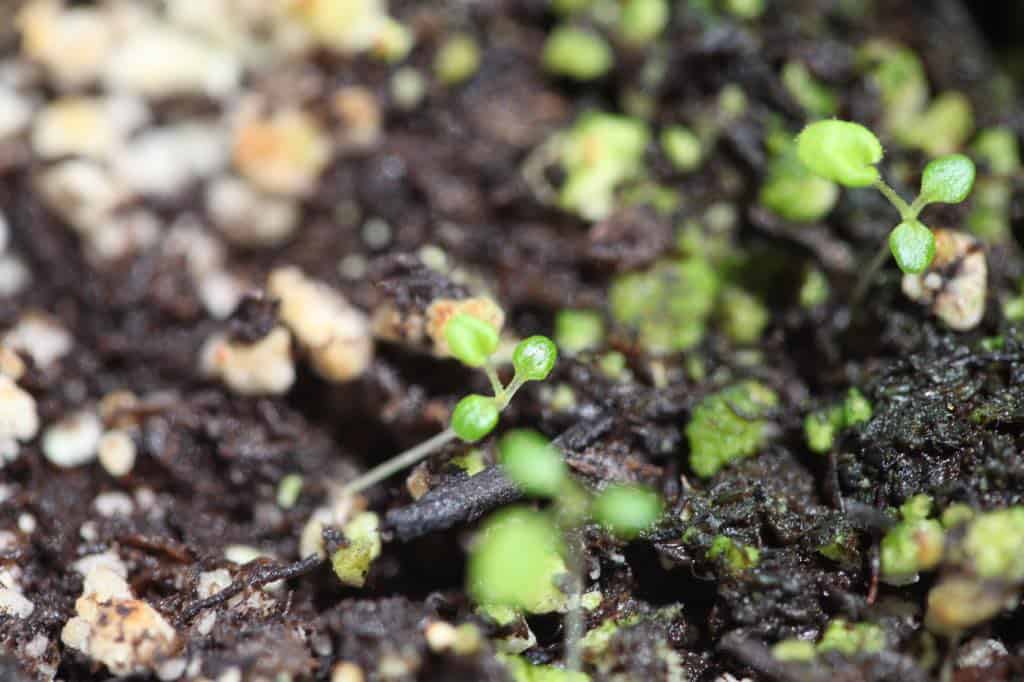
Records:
x=473, y=342
x=520, y=551
x=848, y=153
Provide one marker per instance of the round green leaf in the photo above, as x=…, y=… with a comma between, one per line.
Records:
x=532, y=462
x=947, y=179
x=474, y=417
x=470, y=339
x=913, y=246
x=627, y=510
x=840, y=151
x=577, y=53
x=534, y=358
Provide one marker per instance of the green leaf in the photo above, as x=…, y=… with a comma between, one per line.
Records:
x=534, y=358
x=913, y=246
x=578, y=53
x=840, y=151
x=532, y=462
x=470, y=339
x=627, y=510
x=947, y=180
x=474, y=417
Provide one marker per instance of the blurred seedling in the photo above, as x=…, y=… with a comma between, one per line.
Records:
x=848, y=153
x=521, y=552
x=473, y=342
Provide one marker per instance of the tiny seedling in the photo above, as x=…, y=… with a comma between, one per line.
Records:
x=848, y=153
x=522, y=550
x=473, y=342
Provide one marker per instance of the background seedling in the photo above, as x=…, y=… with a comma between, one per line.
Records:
x=473, y=342
x=847, y=153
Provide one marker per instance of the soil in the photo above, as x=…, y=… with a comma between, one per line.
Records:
x=448, y=174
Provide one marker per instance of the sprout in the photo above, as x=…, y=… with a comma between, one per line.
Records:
x=821, y=427
x=745, y=9
x=577, y=53
x=515, y=561
x=998, y=148
x=534, y=358
x=943, y=128
x=743, y=316
x=794, y=651
x=533, y=463
x=471, y=340
x=813, y=97
x=352, y=562
x=578, y=330
x=847, y=153
x=642, y=21
x=737, y=557
x=682, y=147
x=457, y=60
x=627, y=510
x=474, y=417
x=851, y=639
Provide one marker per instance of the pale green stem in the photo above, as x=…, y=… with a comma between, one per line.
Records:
x=906, y=212
x=398, y=462
x=869, y=274
x=919, y=203
x=492, y=375
x=574, y=617
x=505, y=397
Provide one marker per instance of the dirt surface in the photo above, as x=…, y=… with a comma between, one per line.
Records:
x=444, y=180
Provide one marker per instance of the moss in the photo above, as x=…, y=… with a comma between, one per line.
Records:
x=814, y=98
x=820, y=429
x=667, y=305
x=524, y=671
x=993, y=544
x=794, y=651
x=682, y=147
x=472, y=462
x=578, y=53
x=599, y=153
x=578, y=330
x=851, y=639
x=728, y=425
x=735, y=556
x=743, y=316
x=352, y=562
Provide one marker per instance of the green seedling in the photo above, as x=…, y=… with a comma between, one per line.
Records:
x=473, y=342
x=813, y=97
x=728, y=426
x=849, y=639
x=736, y=557
x=533, y=463
x=847, y=153
x=627, y=510
x=742, y=315
x=577, y=53
x=641, y=21
x=352, y=562
x=822, y=426
x=578, y=330
x=524, y=671
x=790, y=190
x=457, y=60
x=914, y=544
x=682, y=147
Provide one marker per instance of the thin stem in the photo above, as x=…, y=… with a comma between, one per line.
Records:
x=496, y=386
x=906, y=212
x=869, y=274
x=574, y=617
x=399, y=462
x=509, y=392
x=919, y=203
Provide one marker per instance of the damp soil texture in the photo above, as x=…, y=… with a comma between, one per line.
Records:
x=228, y=229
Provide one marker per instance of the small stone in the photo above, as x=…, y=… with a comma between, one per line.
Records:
x=108, y=560
x=14, y=276
x=75, y=126
x=347, y=672
x=15, y=112
x=113, y=504
x=72, y=44
x=19, y=419
x=116, y=452
x=220, y=292
x=956, y=283
x=440, y=636
x=335, y=334
x=164, y=162
x=359, y=112
x=283, y=153
x=83, y=192
x=26, y=523
x=261, y=368
x=39, y=336
x=15, y=604
x=248, y=217
x=73, y=440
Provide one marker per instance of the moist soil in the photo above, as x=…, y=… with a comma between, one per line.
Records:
x=449, y=174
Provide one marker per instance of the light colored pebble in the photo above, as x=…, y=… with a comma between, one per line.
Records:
x=41, y=337
x=230, y=675
x=164, y=162
x=113, y=504
x=116, y=452
x=334, y=334
x=246, y=216
x=123, y=235
x=82, y=191
x=72, y=44
x=357, y=109
x=440, y=635
x=108, y=560
x=15, y=603
x=19, y=418
x=15, y=112
x=171, y=669
x=75, y=126
x=203, y=252
x=36, y=646
x=212, y=582
x=73, y=440
x=283, y=153
x=347, y=672
x=5, y=232
x=14, y=275
x=220, y=293
x=26, y=523
x=261, y=368
x=956, y=283
x=348, y=27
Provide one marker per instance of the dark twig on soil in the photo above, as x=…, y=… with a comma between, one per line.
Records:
x=260, y=575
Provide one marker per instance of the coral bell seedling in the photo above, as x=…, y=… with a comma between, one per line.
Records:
x=473, y=341
x=847, y=153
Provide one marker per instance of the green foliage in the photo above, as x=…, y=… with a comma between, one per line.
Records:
x=457, y=59
x=993, y=544
x=515, y=562
x=743, y=316
x=913, y=246
x=840, y=151
x=627, y=510
x=532, y=462
x=998, y=147
x=814, y=98
x=578, y=53
x=794, y=651
x=667, y=305
x=822, y=426
x=856, y=408
x=899, y=76
x=577, y=330
x=909, y=547
x=943, y=127
x=642, y=21
x=524, y=671
x=947, y=180
x=474, y=417
x=735, y=556
x=851, y=639
x=682, y=147
x=570, y=6
x=534, y=358
x=728, y=425
x=288, y=491
x=744, y=9
x=599, y=153
x=793, y=192
x=352, y=562
x=470, y=340
x=815, y=288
